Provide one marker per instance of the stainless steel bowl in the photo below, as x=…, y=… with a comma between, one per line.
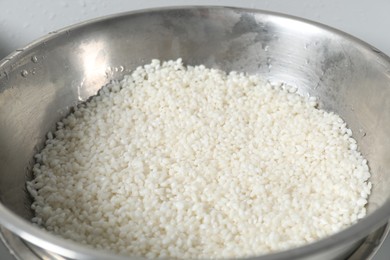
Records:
x=39, y=84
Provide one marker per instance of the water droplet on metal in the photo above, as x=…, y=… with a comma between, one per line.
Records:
x=269, y=60
x=34, y=59
x=109, y=72
x=24, y=73
x=121, y=68
x=33, y=72
x=362, y=132
x=266, y=48
x=6, y=75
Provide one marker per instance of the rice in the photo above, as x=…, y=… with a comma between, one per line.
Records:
x=191, y=162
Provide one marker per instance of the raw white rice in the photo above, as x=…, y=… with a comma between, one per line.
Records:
x=191, y=162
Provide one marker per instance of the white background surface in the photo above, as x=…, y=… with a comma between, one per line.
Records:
x=22, y=21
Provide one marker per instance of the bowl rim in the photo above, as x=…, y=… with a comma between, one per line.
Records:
x=67, y=248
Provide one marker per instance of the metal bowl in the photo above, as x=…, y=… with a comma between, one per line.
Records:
x=39, y=84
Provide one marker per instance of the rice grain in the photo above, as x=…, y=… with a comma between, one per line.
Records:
x=191, y=162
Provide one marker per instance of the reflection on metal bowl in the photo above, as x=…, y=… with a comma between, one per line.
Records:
x=39, y=84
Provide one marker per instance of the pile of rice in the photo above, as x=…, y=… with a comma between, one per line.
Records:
x=191, y=162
